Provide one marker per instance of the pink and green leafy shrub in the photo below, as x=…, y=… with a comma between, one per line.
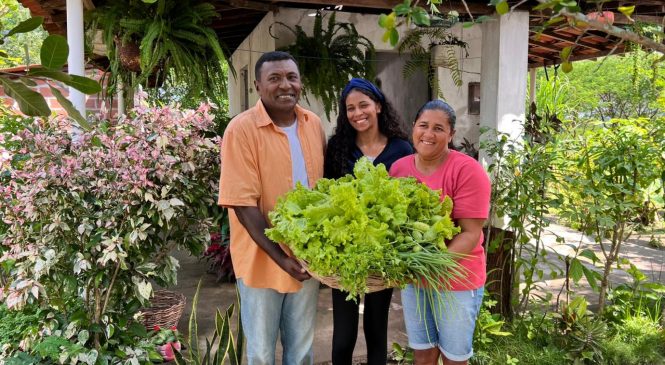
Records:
x=91, y=217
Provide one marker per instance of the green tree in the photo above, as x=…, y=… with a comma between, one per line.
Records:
x=12, y=13
x=626, y=86
x=606, y=169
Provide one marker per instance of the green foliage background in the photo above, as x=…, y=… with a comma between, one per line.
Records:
x=625, y=86
x=12, y=13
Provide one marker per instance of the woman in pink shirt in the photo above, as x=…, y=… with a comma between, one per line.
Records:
x=450, y=334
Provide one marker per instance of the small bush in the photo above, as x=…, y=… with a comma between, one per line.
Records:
x=18, y=328
x=638, y=340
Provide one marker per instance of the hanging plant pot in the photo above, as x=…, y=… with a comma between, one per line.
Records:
x=129, y=54
x=606, y=17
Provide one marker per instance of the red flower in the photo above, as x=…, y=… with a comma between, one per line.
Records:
x=173, y=328
x=156, y=328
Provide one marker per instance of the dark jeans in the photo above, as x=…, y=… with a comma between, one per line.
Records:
x=375, y=324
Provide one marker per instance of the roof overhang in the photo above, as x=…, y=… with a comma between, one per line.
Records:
x=239, y=17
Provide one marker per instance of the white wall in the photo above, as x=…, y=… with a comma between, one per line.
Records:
x=467, y=125
x=406, y=95
x=246, y=55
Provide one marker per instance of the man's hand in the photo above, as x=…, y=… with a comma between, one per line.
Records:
x=255, y=223
x=293, y=268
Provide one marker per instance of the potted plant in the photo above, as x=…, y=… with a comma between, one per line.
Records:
x=162, y=39
x=218, y=253
x=166, y=341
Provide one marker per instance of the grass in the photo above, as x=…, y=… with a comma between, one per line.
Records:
x=522, y=349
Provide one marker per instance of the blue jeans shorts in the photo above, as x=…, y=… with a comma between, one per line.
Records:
x=452, y=331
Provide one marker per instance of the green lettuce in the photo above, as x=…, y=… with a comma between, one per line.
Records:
x=369, y=224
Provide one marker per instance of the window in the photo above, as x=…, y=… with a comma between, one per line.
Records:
x=474, y=98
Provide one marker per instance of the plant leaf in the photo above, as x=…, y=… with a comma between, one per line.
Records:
x=627, y=10
x=576, y=270
x=591, y=277
x=394, y=37
x=420, y=16
x=193, y=326
x=80, y=83
x=29, y=101
x=566, y=67
x=54, y=51
x=590, y=255
x=71, y=110
x=25, y=26
x=565, y=53
x=84, y=84
x=502, y=8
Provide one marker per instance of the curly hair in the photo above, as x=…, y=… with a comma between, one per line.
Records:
x=343, y=141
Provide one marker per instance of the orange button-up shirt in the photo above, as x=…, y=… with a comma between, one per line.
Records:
x=256, y=170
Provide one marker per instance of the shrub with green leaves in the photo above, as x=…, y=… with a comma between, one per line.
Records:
x=92, y=217
x=606, y=169
x=637, y=340
x=17, y=328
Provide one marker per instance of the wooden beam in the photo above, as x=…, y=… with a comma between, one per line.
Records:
x=252, y=4
x=572, y=40
x=580, y=56
x=374, y=4
x=622, y=19
x=475, y=8
x=547, y=46
x=624, y=34
x=541, y=58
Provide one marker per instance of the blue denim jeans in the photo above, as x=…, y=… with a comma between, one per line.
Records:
x=267, y=313
x=449, y=327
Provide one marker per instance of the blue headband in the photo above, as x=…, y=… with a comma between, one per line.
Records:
x=362, y=84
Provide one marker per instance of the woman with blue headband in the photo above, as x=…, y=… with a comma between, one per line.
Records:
x=367, y=125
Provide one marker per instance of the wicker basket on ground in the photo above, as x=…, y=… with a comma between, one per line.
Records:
x=165, y=309
x=374, y=283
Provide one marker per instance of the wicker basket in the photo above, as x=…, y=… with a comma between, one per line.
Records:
x=374, y=283
x=165, y=310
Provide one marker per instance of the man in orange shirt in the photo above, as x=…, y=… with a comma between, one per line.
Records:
x=266, y=150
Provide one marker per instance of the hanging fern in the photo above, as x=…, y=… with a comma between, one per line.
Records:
x=329, y=58
x=176, y=42
x=421, y=57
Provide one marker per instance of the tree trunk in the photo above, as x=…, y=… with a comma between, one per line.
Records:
x=604, y=283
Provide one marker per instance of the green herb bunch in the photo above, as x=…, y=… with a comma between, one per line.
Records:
x=369, y=224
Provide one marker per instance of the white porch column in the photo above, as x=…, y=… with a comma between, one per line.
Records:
x=503, y=74
x=75, y=61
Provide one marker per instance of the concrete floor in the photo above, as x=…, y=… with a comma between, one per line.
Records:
x=214, y=295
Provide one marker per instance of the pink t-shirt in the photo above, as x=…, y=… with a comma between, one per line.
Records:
x=466, y=182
